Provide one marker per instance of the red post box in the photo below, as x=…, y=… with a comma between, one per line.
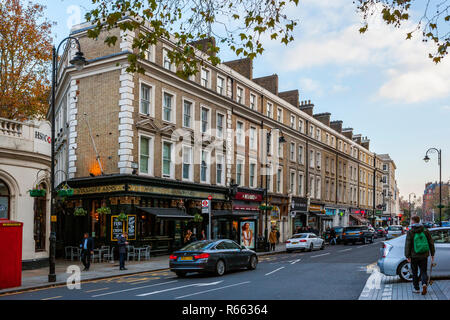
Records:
x=10, y=253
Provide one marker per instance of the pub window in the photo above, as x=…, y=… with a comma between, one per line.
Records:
x=187, y=114
x=219, y=169
x=145, y=152
x=145, y=99
x=167, y=160
x=204, y=167
x=4, y=201
x=40, y=210
x=187, y=163
x=168, y=105
x=220, y=125
x=205, y=119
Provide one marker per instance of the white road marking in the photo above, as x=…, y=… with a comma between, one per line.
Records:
x=97, y=290
x=295, y=261
x=274, y=271
x=52, y=298
x=176, y=288
x=231, y=285
x=321, y=255
x=152, y=285
x=344, y=250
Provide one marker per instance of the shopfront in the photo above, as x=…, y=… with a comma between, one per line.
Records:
x=358, y=217
x=279, y=216
x=316, y=212
x=299, y=213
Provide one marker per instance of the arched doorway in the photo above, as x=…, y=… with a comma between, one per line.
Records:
x=4, y=201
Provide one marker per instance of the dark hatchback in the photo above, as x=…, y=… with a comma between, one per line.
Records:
x=358, y=234
x=212, y=256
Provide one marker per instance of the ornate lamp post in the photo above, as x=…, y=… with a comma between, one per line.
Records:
x=79, y=62
x=426, y=159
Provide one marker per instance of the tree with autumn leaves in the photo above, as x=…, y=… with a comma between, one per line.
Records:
x=25, y=60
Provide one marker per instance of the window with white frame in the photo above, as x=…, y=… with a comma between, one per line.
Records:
x=252, y=174
x=167, y=159
x=300, y=125
x=280, y=150
x=240, y=133
x=318, y=134
x=311, y=187
x=332, y=166
x=252, y=101
x=292, y=151
x=253, y=138
x=318, y=160
x=332, y=142
x=204, y=114
x=327, y=138
x=318, y=188
x=327, y=191
x=168, y=107
x=239, y=171
x=280, y=115
x=187, y=163
x=166, y=61
x=220, y=85
x=269, y=175
x=188, y=113
x=332, y=191
x=292, y=121
x=146, y=99
x=240, y=95
x=269, y=109
x=292, y=183
x=311, y=131
x=300, y=154
x=280, y=180
x=220, y=172
x=204, y=167
x=311, y=158
x=300, y=184
x=219, y=125
x=145, y=155
x=205, y=80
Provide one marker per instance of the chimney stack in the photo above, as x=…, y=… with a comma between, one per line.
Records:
x=242, y=66
x=269, y=83
x=307, y=107
x=324, y=118
x=336, y=125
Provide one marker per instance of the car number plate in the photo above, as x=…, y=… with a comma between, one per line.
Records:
x=294, y=242
x=185, y=258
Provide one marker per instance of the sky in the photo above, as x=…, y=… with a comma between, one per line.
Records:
x=381, y=85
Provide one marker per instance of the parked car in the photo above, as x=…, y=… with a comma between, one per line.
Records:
x=393, y=261
x=380, y=232
x=358, y=234
x=212, y=256
x=446, y=223
x=394, y=231
x=304, y=241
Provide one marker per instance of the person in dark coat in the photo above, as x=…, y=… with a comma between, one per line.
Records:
x=122, y=243
x=419, y=260
x=332, y=236
x=87, y=249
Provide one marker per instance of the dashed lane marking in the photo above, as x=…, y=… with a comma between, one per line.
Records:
x=320, y=255
x=293, y=262
x=125, y=290
x=274, y=271
x=52, y=298
x=345, y=250
x=231, y=285
x=89, y=291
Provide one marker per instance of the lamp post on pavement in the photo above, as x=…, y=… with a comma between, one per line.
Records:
x=426, y=159
x=78, y=62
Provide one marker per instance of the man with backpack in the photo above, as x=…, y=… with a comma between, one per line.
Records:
x=419, y=245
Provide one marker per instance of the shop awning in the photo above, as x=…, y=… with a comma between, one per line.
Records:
x=166, y=213
x=359, y=218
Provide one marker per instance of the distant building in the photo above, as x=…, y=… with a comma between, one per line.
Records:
x=390, y=193
x=431, y=200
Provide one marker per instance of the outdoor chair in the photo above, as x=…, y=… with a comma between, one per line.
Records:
x=109, y=256
x=131, y=253
x=68, y=253
x=97, y=256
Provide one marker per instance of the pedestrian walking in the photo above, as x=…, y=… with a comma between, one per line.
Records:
x=203, y=235
x=418, y=246
x=122, y=242
x=332, y=236
x=87, y=249
x=278, y=235
x=273, y=239
x=187, y=237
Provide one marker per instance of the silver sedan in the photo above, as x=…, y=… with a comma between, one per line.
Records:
x=393, y=261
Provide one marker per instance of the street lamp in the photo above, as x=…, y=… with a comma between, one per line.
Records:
x=281, y=139
x=79, y=62
x=426, y=159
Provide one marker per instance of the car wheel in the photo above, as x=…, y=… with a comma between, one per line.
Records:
x=252, y=263
x=220, y=268
x=311, y=247
x=404, y=271
x=180, y=274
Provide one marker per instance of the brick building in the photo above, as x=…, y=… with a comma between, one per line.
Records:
x=165, y=143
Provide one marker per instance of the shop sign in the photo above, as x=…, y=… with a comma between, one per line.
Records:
x=315, y=207
x=330, y=212
x=275, y=212
x=117, y=227
x=246, y=208
x=341, y=212
x=42, y=136
x=359, y=211
x=175, y=192
x=299, y=204
x=99, y=189
x=311, y=220
x=248, y=196
x=131, y=227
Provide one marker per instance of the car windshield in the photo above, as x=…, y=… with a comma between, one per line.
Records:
x=297, y=236
x=395, y=228
x=198, y=245
x=352, y=229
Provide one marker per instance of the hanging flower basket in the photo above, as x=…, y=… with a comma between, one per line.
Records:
x=79, y=212
x=65, y=191
x=35, y=193
x=122, y=216
x=103, y=210
x=198, y=218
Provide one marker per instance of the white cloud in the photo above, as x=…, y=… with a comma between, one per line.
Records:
x=310, y=86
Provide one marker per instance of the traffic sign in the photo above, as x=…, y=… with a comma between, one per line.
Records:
x=209, y=197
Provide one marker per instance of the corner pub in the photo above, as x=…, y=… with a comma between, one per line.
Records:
x=158, y=212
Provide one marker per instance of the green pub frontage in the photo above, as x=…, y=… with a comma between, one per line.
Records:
x=154, y=212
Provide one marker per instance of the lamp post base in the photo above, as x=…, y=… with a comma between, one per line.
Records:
x=52, y=278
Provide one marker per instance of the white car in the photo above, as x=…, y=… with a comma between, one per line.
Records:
x=393, y=261
x=394, y=232
x=304, y=241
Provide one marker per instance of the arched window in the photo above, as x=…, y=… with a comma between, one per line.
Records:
x=4, y=201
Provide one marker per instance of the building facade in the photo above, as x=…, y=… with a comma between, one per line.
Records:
x=25, y=165
x=143, y=142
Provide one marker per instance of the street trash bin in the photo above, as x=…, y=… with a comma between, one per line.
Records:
x=10, y=253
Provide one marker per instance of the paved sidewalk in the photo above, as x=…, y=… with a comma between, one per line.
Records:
x=38, y=278
x=382, y=287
